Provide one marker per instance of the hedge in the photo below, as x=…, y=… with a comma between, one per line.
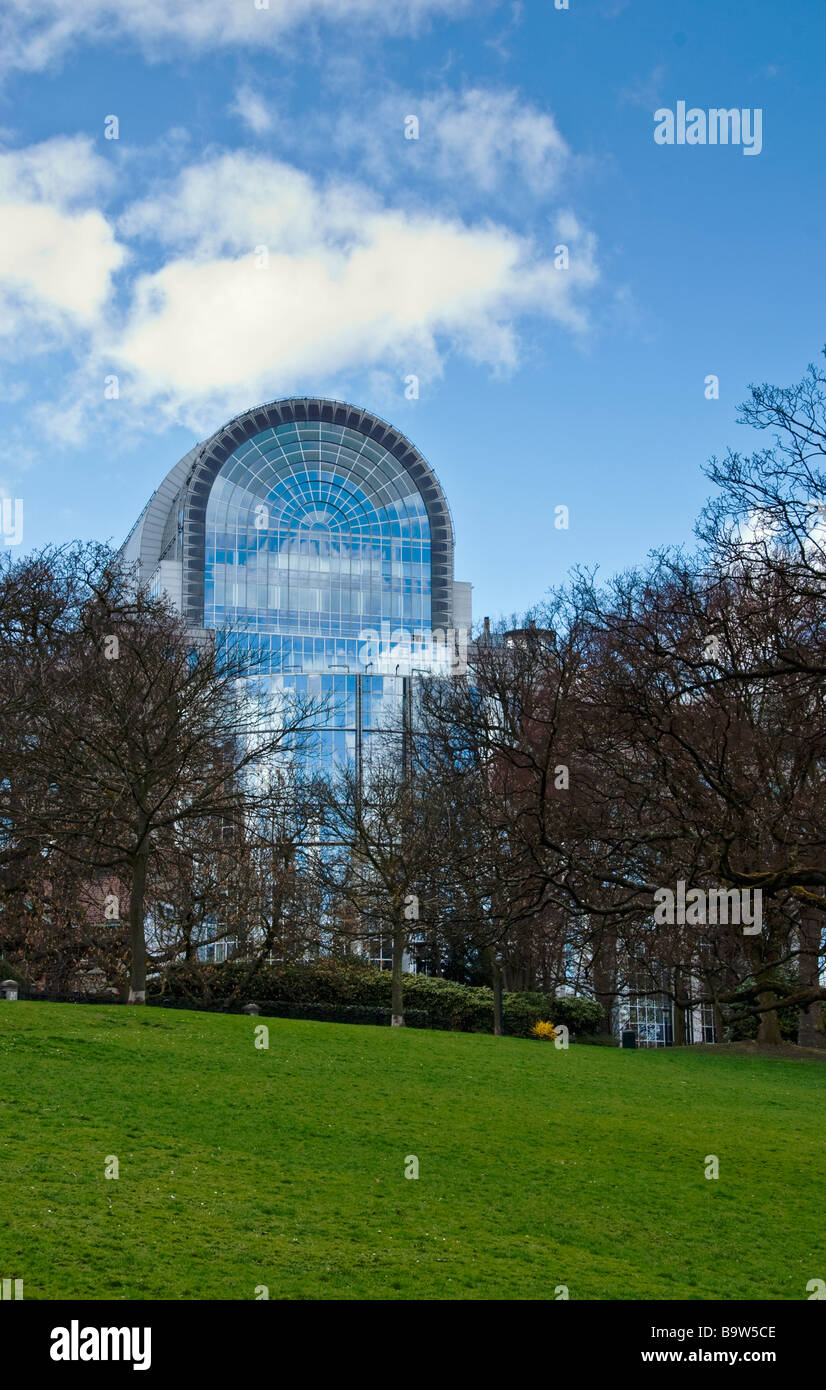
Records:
x=320, y=1013
x=351, y=991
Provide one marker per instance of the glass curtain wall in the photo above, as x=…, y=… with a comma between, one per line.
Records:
x=318, y=553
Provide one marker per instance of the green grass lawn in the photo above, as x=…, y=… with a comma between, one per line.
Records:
x=285, y=1168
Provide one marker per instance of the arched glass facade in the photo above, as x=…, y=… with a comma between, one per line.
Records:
x=314, y=534
x=316, y=538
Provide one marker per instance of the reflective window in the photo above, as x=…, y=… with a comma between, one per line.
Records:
x=315, y=536
x=314, y=529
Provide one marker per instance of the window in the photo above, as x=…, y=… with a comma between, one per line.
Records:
x=300, y=555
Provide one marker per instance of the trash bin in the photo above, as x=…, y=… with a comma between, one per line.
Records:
x=8, y=989
x=629, y=1038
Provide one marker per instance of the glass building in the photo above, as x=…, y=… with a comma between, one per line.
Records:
x=320, y=533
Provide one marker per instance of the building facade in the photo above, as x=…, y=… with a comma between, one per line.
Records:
x=318, y=534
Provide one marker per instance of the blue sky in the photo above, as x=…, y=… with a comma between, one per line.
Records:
x=283, y=127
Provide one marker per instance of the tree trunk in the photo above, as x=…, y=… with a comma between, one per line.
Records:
x=810, y=1026
x=762, y=948
x=679, y=1024
x=137, y=934
x=496, y=984
x=811, y=1031
x=397, y=1000
x=604, y=974
x=678, y=1012
x=768, y=1032
x=719, y=1024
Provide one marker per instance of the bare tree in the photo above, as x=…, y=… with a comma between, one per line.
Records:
x=133, y=728
x=380, y=837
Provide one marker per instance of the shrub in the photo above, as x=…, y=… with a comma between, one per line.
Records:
x=544, y=1030
x=339, y=1013
x=344, y=984
x=320, y=1013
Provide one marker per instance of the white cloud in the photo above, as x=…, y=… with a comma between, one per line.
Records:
x=58, y=253
x=484, y=136
x=63, y=171
x=351, y=285
x=489, y=135
x=232, y=203
x=249, y=106
x=37, y=33
x=355, y=287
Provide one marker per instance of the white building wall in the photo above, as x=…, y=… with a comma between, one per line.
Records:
x=168, y=579
x=462, y=605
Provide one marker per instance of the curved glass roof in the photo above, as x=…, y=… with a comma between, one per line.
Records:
x=315, y=528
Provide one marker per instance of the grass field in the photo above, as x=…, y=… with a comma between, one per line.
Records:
x=242, y=1167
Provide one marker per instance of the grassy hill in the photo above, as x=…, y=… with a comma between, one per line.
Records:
x=285, y=1167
